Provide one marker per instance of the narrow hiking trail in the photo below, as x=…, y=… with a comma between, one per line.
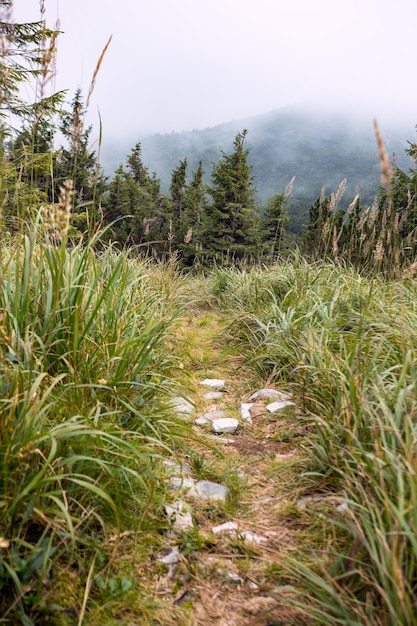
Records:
x=231, y=575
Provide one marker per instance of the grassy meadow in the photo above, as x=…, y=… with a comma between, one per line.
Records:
x=346, y=345
x=89, y=359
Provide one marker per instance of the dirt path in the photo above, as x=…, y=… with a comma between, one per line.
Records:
x=224, y=579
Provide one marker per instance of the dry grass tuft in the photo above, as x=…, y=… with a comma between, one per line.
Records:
x=57, y=216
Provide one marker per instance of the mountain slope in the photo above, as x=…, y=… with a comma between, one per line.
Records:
x=317, y=149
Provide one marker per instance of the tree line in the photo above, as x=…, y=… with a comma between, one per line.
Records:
x=197, y=223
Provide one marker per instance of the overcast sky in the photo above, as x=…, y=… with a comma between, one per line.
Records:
x=185, y=64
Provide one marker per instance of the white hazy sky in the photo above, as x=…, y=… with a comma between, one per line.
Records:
x=184, y=64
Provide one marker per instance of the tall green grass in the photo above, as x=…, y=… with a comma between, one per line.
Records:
x=346, y=344
x=84, y=371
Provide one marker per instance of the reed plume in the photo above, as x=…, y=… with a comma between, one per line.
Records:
x=386, y=173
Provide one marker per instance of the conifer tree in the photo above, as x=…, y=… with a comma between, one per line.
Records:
x=195, y=205
x=274, y=220
x=177, y=189
x=79, y=163
x=26, y=66
x=231, y=228
x=136, y=208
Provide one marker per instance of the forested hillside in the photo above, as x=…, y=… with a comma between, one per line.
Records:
x=317, y=149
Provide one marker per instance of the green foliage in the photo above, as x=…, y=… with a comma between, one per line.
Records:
x=346, y=346
x=379, y=238
x=79, y=163
x=83, y=378
x=177, y=190
x=27, y=52
x=230, y=227
x=26, y=65
x=274, y=220
x=195, y=207
x=318, y=150
x=86, y=353
x=136, y=210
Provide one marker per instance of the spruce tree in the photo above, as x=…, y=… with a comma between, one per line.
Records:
x=177, y=189
x=274, y=220
x=136, y=208
x=195, y=205
x=231, y=228
x=78, y=162
x=26, y=128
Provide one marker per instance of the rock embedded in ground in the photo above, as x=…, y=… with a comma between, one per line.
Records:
x=280, y=405
x=225, y=440
x=204, y=489
x=268, y=394
x=231, y=577
x=170, y=556
x=179, y=514
x=211, y=491
x=177, y=469
x=201, y=421
x=245, y=413
x=214, y=415
x=209, y=417
x=185, y=596
x=213, y=395
x=247, y=536
x=225, y=425
x=178, y=482
x=214, y=383
x=227, y=527
x=303, y=502
x=181, y=406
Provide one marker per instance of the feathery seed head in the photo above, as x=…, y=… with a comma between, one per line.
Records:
x=386, y=173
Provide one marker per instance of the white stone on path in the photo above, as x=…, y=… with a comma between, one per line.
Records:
x=200, y=421
x=184, y=484
x=204, y=489
x=225, y=425
x=179, y=514
x=303, y=502
x=227, y=527
x=232, y=527
x=245, y=408
x=247, y=536
x=280, y=405
x=214, y=383
x=214, y=415
x=267, y=394
x=208, y=417
x=211, y=491
x=213, y=395
x=181, y=406
x=177, y=469
x=172, y=557
x=225, y=440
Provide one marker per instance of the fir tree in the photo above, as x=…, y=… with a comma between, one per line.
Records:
x=136, y=208
x=177, y=189
x=79, y=163
x=26, y=65
x=195, y=205
x=274, y=220
x=231, y=227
